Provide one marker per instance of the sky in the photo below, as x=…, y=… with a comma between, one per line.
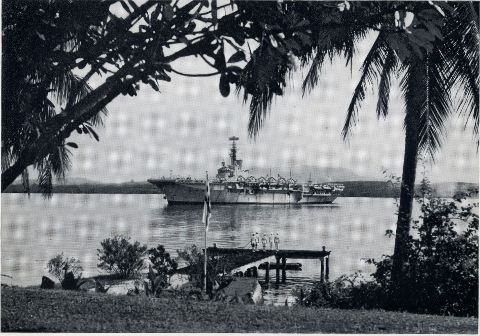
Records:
x=184, y=129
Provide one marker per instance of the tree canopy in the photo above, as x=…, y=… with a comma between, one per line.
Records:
x=53, y=49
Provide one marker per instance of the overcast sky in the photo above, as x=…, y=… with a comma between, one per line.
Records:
x=185, y=128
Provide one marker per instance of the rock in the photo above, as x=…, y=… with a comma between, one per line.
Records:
x=126, y=287
x=242, y=290
x=47, y=283
x=99, y=287
x=69, y=282
x=85, y=285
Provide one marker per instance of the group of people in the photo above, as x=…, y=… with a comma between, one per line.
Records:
x=255, y=241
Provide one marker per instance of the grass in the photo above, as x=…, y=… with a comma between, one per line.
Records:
x=26, y=309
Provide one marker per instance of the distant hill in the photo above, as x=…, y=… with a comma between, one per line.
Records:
x=386, y=189
x=352, y=188
x=93, y=188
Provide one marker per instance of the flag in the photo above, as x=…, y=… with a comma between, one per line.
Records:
x=207, y=210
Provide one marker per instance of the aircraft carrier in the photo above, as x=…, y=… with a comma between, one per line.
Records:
x=232, y=185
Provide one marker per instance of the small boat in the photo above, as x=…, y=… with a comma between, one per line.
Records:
x=288, y=266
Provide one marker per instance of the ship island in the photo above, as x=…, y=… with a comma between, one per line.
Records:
x=234, y=185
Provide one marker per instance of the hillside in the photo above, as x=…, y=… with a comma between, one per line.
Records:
x=352, y=188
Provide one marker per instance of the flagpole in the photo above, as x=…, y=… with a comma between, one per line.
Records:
x=205, y=257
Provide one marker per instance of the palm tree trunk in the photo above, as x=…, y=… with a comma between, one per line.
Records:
x=400, y=254
x=416, y=102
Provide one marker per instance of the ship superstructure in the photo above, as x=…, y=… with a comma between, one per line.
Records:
x=234, y=185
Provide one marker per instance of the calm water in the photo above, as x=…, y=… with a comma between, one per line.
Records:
x=34, y=230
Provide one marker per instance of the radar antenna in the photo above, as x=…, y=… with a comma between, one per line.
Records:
x=233, y=150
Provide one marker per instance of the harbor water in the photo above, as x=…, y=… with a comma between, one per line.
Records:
x=33, y=230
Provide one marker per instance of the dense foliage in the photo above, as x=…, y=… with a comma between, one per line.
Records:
x=217, y=267
x=441, y=273
x=67, y=270
x=162, y=262
x=119, y=256
x=161, y=267
x=60, y=265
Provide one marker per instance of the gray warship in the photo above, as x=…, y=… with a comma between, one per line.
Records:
x=233, y=185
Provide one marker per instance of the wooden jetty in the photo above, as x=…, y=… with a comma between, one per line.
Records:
x=240, y=257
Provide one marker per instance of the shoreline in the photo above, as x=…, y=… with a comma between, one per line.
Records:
x=373, y=189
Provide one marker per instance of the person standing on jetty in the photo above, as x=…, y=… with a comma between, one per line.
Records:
x=270, y=240
x=264, y=242
x=252, y=241
x=277, y=241
x=257, y=241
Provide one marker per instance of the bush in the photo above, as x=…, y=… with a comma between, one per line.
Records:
x=162, y=264
x=161, y=260
x=67, y=270
x=121, y=257
x=441, y=276
x=60, y=265
x=346, y=292
x=194, y=257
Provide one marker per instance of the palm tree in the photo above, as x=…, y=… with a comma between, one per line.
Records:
x=34, y=82
x=435, y=56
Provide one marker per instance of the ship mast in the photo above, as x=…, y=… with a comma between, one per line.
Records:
x=233, y=150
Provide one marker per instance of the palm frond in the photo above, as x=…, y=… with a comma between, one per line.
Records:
x=65, y=84
x=389, y=68
x=437, y=106
x=45, y=178
x=371, y=68
x=60, y=161
x=313, y=74
x=331, y=42
x=460, y=50
x=263, y=77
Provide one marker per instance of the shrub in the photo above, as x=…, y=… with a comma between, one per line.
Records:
x=346, y=292
x=67, y=270
x=60, y=265
x=121, y=257
x=193, y=258
x=155, y=284
x=441, y=276
x=162, y=263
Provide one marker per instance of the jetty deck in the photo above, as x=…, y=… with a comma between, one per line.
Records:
x=242, y=256
x=260, y=254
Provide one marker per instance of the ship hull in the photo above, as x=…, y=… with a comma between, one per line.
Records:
x=194, y=193
x=191, y=193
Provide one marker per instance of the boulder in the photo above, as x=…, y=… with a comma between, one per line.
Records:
x=127, y=287
x=241, y=290
x=47, y=283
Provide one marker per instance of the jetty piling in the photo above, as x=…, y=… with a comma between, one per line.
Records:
x=240, y=257
x=277, y=273
x=322, y=270
x=327, y=268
